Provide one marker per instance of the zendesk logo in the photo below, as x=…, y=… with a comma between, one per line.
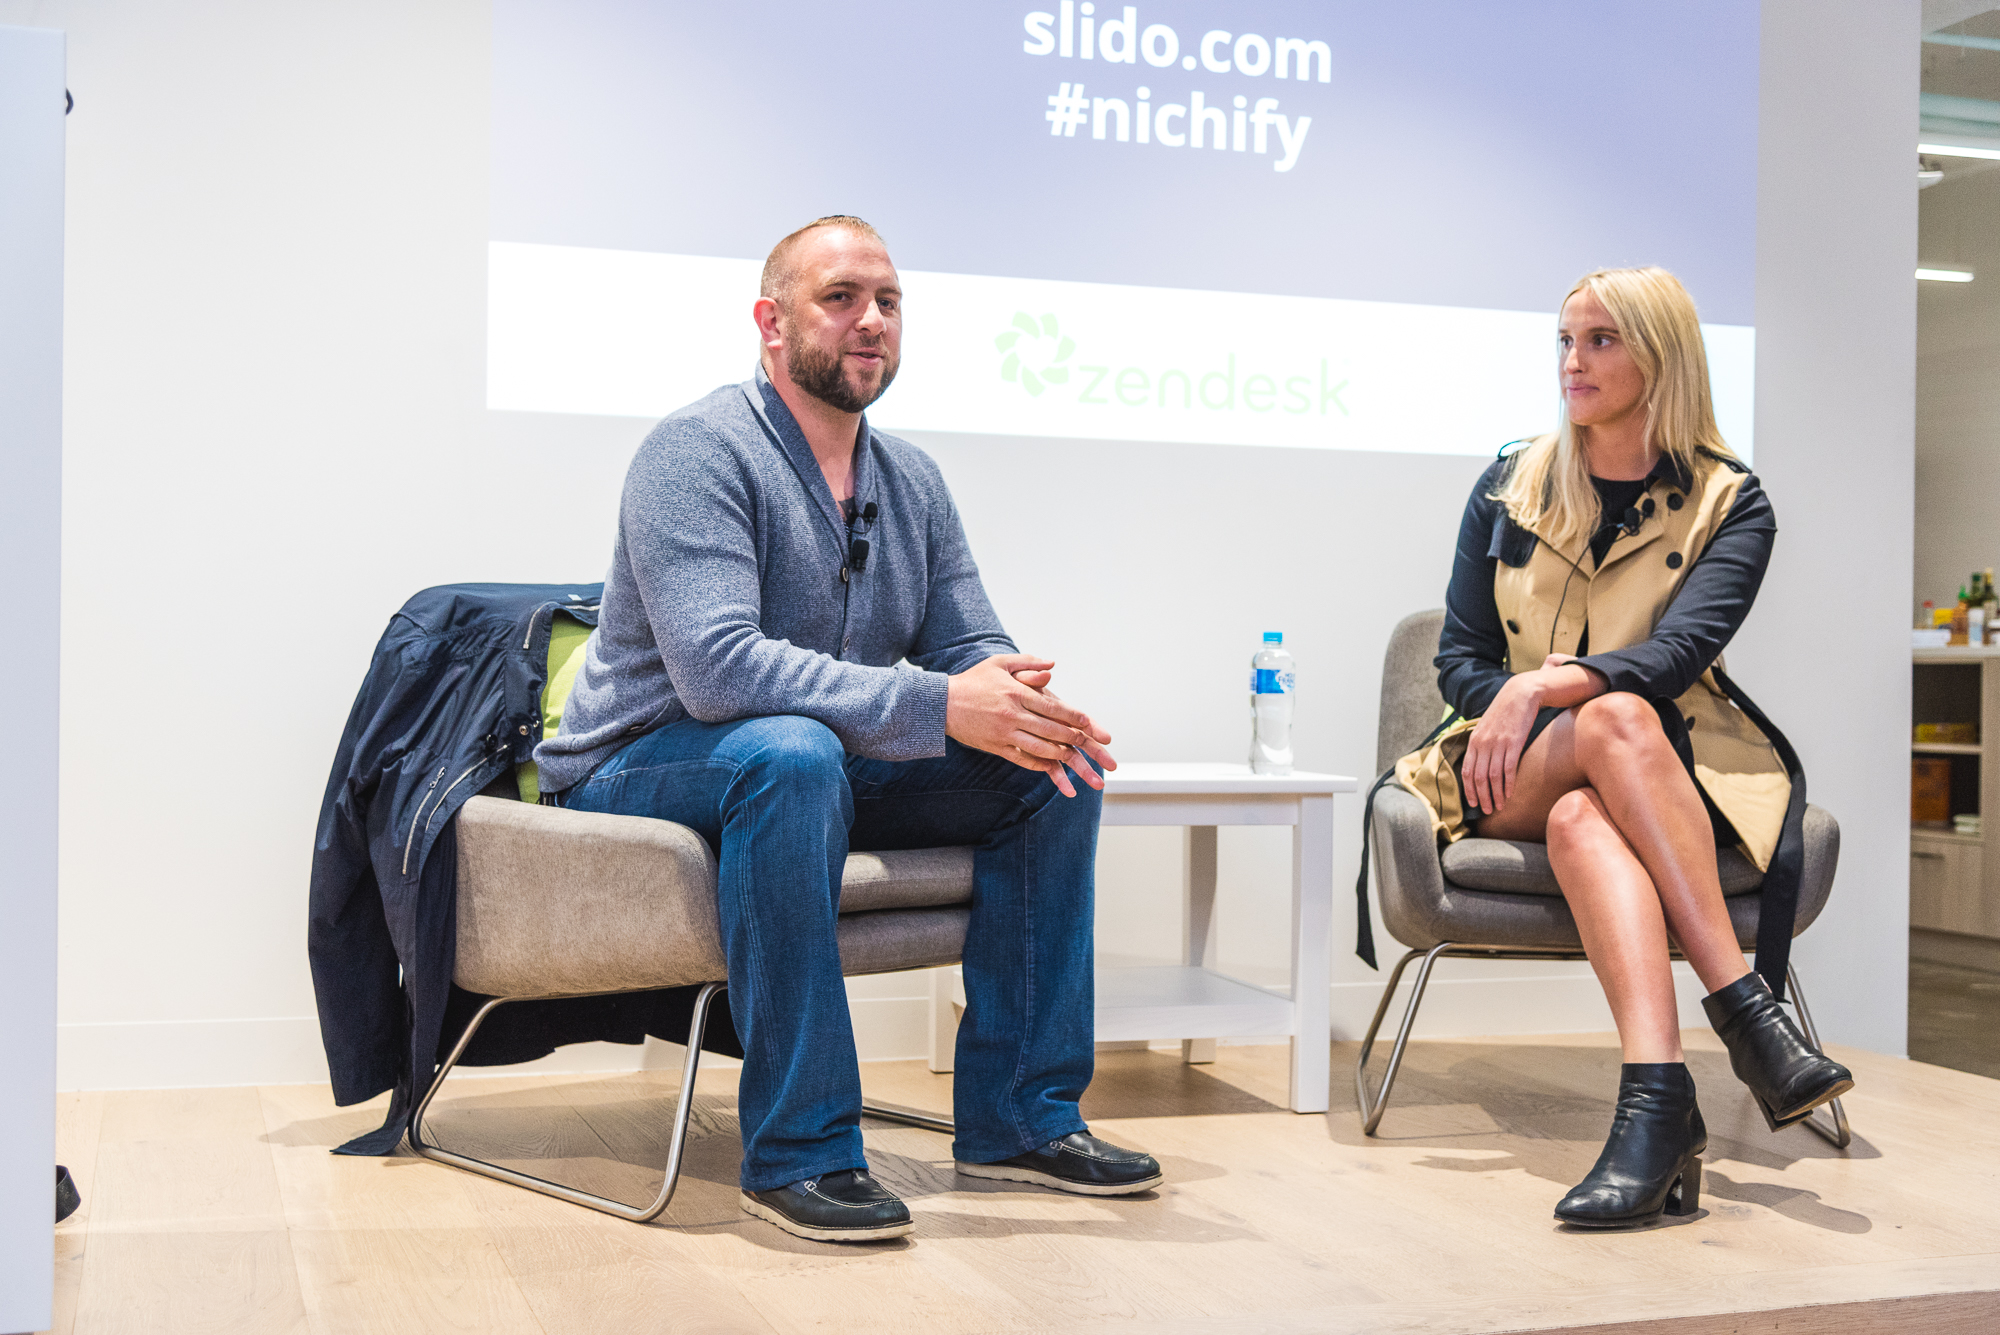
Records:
x=1194, y=123
x=1036, y=355
x=1038, y=363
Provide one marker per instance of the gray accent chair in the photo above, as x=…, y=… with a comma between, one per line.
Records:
x=556, y=903
x=1496, y=899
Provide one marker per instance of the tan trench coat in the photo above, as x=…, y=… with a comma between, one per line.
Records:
x=1545, y=605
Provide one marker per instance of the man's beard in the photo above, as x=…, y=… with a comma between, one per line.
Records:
x=822, y=374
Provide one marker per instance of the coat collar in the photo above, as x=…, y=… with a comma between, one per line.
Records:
x=785, y=433
x=1672, y=472
x=1667, y=480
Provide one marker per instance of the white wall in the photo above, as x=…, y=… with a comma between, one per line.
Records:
x=277, y=248
x=276, y=255
x=31, y=239
x=1827, y=653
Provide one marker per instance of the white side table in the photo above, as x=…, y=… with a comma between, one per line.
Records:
x=1191, y=1001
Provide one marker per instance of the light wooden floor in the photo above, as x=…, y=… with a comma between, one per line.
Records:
x=221, y=1210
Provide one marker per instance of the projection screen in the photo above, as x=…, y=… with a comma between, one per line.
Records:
x=1310, y=225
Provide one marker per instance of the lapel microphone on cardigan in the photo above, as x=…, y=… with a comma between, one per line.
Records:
x=857, y=548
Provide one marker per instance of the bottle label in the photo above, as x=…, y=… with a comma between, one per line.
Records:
x=1270, y=681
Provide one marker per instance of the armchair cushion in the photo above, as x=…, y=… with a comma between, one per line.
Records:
x=911, y=878
x=1523, y=869
x=553, y=902
x=1421, y=908
x=559, y=903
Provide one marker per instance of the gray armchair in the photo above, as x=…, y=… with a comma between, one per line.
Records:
x=1496, y=899
x=556, y=903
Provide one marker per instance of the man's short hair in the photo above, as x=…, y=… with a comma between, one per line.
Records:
x=778, y=270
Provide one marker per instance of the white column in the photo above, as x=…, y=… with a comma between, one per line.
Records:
x=1836, y=406
x=31, y=260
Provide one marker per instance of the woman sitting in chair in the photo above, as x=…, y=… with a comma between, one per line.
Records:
x=1600, y=571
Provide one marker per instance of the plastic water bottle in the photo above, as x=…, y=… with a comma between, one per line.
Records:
x=1272, y=681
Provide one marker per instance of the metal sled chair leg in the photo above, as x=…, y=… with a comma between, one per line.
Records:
x=1832, y=1129
x=1831, y=1126
x=678, y=1137
x=1372, y=1109
x=683, y=1110
x=923, y=1121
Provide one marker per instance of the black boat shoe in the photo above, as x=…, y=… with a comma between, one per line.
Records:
x=847, y=1206
x=1079, y=1163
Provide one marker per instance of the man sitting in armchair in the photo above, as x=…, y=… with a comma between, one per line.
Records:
x=795, y=657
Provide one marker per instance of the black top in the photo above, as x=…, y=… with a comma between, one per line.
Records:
x=1613, y=500
x=1714, y=598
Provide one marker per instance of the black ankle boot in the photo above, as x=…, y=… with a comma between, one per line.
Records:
x=1768, y=1053
x=1652, y=1160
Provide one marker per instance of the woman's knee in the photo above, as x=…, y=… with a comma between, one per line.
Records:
x=1576, y=818
x=1618, y=719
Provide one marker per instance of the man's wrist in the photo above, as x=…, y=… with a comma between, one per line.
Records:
x=932, y=708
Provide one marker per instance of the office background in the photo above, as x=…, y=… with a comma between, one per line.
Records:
x=275, y=430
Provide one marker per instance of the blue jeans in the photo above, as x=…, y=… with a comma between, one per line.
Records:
x=782, y=803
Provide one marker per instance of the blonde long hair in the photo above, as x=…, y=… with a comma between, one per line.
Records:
x=1548, y=490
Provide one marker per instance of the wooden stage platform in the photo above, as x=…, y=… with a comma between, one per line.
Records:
x=220, y=1210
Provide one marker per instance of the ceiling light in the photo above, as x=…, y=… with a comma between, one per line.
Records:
x=1945, y=275
x=1959, y=150
x=1962, y=39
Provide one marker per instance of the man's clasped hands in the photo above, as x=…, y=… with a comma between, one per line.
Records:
x=1004, y=706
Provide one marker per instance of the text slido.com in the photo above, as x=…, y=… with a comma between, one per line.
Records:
x=1076, y=34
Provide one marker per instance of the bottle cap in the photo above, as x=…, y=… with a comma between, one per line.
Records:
x=1274, y=637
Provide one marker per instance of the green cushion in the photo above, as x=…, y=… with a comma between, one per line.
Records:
x=567, y=636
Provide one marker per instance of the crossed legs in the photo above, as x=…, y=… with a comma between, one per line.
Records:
x=1633, y=850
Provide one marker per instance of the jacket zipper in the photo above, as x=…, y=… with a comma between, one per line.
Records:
x=477, y=764
x=418, y=813
x=409, y=845
x=435, y=809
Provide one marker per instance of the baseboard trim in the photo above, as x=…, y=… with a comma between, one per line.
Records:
x=285, y=1050
x=187, y=1054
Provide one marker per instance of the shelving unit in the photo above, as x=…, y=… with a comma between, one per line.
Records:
x=1954, y=886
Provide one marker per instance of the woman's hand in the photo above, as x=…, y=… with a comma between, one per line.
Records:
x=1493, y=756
